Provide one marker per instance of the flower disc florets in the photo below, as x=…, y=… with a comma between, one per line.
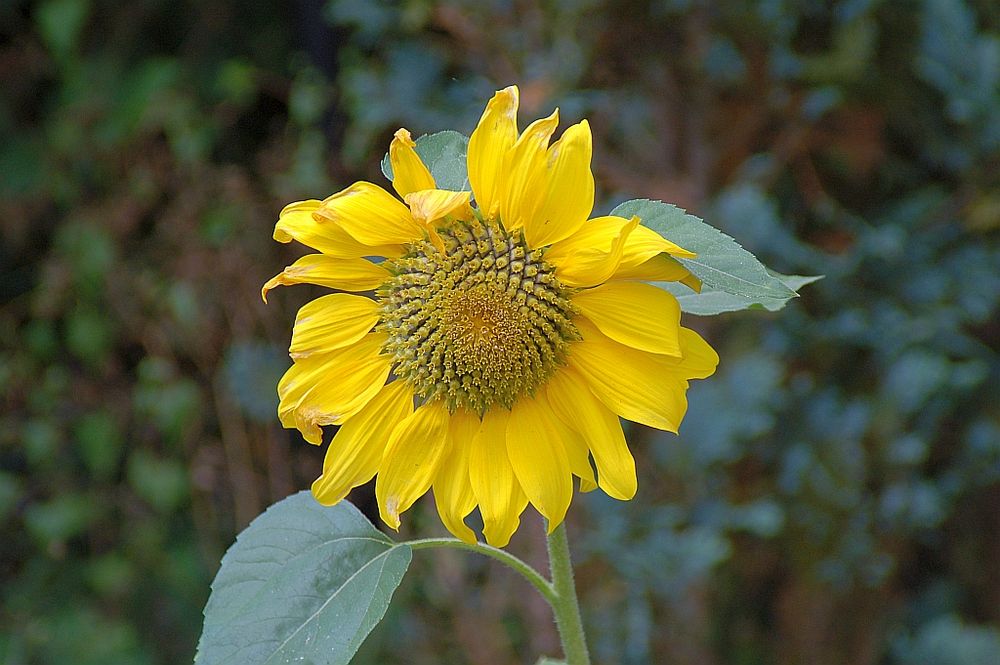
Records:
x=478, y=319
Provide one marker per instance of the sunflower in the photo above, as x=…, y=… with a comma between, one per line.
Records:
x=502, y=336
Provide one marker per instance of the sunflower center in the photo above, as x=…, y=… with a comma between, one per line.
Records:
x=478, y=319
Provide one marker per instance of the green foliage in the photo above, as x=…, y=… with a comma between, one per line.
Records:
x=302, y=582
x=732, y=278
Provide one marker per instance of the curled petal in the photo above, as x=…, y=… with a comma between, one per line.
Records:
x=371, y=215
x=323, y=270
x=298, y=222
x=328, y=389
x=408, y=171
x=429, y=205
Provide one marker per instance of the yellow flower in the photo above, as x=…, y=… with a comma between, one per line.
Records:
x=506, y=335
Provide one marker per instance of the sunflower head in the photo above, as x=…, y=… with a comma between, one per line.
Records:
x=492, y=348
x=478, y=322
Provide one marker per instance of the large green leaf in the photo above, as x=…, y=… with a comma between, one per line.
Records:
x=444, y=154
x=722, y=264
x=302, y=584
x=711, y=301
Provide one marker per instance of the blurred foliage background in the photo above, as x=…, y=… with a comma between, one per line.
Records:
x=834, y=495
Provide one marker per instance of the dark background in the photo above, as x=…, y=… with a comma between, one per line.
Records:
x=834, y=495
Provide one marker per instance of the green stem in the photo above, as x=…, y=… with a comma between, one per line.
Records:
x=560, y=592
x=565, y=605
x=535, y=578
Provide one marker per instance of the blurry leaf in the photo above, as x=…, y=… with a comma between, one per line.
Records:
x=161, y=482
x=946, y=640
x=303, y=583
x=40, y=339
x=236, y=81
x=218, y=224
x=99, y=442
x=88, y=334
x=850, y=57
x=10, y=489
x=183, y=302
x=82, y=636
x=171, y=402
x=91, y=254
x=251, y=371
x=60, y=22
x=545, y=660
x=111, y=574
x=721, y=264
x=40, y=438
x=62, y=517
x=143, y=95
x=22, y=161
x=309, y=97
x=444, y=155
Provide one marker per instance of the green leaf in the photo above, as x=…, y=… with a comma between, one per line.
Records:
x=303, y=583
x=444, y=155
x=711, y=301
x=60, y=23
x=722, y=264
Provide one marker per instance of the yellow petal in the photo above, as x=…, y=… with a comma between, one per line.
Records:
x=371, y=215
x=356, y=451
x=332, y=322
x=452, y=488
x=297, y=222
x=700, y=359
x=643, y=387
x=522, y=183
x=488, y=145
x=343, y=274
x=501, y=499
x=575, y=405
x=430, y=205
x=408, y=171
x=328, y=389
x=646, y=243
x=691, y=282
x=569, y=194
x=660, y=268
x=589, y=266
x=538, y=455
x=577, y=452
x=416, y=447
x=598, y=234
x=640, y=315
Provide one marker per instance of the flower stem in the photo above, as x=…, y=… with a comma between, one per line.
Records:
x=560, y=593
x=536, y=579
x=565, y=605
